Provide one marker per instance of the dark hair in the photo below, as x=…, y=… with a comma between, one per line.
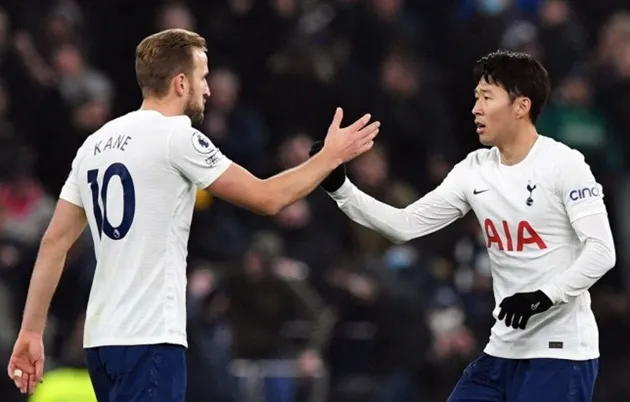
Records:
x=519, y=74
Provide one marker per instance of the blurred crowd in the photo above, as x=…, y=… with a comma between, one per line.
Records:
x=307, y=305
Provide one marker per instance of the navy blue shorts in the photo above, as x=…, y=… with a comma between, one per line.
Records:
x=493, y=379
x=138, y=373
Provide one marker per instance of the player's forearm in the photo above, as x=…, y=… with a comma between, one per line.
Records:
x=44, y=281
x=421, y=218
x=596, y=258
x=294, y=184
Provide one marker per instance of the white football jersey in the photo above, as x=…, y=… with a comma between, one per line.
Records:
x=526, y=212
x=136, y=179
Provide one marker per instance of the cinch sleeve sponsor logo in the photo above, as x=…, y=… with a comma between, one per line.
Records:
x=586, y=192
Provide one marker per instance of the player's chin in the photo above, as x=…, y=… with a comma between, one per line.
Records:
x=197, y=117
x=486, y=139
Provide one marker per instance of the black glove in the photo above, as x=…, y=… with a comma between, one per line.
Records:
x=336, y=178
x=519, y=308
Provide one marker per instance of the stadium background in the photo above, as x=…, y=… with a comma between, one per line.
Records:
x=280, y=296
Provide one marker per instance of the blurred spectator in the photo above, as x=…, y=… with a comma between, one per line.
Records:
x=9, y=142
x=176, y=15
x=63, y=24
x=406, y=318
x=409, y=104
x=234, y=127
x=523, y=36
x=27, y=208
x=210, y=339
x=264, y=293
x=573, y=118
x=562, y=37
x=306, y=237
x=294, y=150
x=86, y=90
x=613, y=72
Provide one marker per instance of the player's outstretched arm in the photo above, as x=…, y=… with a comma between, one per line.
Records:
x=27, y=361
x=434, y=211
x=269, y=196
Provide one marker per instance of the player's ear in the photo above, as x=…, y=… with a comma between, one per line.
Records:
x=522, y=106
x=179, y=82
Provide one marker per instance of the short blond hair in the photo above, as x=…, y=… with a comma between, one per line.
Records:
x=163, y=55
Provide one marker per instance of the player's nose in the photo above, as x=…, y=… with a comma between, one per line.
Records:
x=477, y=110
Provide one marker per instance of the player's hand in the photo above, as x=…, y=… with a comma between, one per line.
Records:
x=336, y=178
x=519, y=308
x=26, y=365
x=344, y=144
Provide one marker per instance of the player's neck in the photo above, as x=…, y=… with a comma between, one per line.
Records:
x=516, y=150
x=162, y=106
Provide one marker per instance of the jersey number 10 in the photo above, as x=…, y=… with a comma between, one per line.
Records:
x=129, y=200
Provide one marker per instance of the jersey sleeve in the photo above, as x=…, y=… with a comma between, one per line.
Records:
x=71, y=191
x=596, y=258
x=195, y=157
x=435, y=210
x=581, y=194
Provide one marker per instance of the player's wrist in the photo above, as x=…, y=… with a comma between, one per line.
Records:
x=335, y=179
x=329, y=157
x=337, y=174
x=29, y=333
x=344, y=191
x=544, y=297
x=552, y=293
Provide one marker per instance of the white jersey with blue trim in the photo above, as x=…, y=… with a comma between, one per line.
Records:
x=545, y=226
x=136, y=179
